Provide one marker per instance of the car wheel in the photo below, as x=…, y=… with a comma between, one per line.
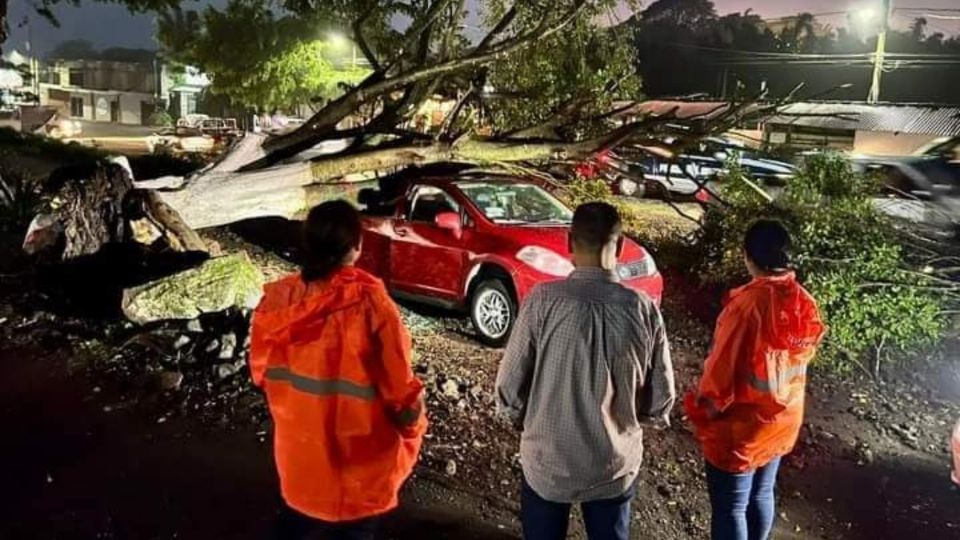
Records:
x=493, y=311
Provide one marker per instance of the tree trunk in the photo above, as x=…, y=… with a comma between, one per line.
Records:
x=219, y=198
x=98, y=205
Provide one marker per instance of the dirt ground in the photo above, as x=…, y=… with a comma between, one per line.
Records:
x=104, y=439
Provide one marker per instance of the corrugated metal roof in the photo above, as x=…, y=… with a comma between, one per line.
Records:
x=683, y=109
x=920, y=119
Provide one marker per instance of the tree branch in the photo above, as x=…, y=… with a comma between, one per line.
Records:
x=303, y=138
x=362, y=41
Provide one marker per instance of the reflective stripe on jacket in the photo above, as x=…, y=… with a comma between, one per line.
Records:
x=748, y=407
x=334, y=360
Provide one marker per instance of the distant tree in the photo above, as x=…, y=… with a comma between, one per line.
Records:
x=74, y=49
x=801, y=35
x=122, y=54
x=691, y=14
x=582, y=68
x=918, y=29
x=277, y=64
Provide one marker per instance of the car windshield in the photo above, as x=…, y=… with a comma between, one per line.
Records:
x=516, y=203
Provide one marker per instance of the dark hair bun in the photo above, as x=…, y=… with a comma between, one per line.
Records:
x=768, y=244
x=331, y=230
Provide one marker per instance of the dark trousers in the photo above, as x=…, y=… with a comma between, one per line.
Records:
x=292, y=525
x=607, y=519
x=743, y=503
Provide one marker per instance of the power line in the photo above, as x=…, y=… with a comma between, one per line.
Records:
x=808, y=56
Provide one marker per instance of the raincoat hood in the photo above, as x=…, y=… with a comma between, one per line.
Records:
x=790, y=319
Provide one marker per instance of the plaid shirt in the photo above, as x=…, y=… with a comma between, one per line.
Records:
x=587, y=362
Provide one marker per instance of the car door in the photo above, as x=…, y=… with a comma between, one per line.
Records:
x=426, y=260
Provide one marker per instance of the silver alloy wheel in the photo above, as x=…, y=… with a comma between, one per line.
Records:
x=492, y=313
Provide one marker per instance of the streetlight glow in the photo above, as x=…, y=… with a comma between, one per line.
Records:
x=337, y=39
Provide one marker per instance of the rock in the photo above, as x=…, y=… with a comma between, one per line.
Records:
x=181, y=342
x=225, y=371
x=171, y=380
x=451, y=468
x=212, y=346
x=195, y=326
x=228, y=344
x=214, y=286
x=451, y=389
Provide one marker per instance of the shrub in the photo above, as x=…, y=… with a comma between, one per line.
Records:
x=846, y=253
x=160, y=118
x=582, y=190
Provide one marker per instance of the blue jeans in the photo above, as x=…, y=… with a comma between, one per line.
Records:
x=292, y=525
x=607, y=519
x=743, y=503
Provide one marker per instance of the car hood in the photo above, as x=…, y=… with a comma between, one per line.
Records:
x=555, y=238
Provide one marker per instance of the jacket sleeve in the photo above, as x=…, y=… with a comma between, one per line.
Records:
x=262, y=342
x=515, y=373
x=391, y=370
x=735, y=340
x=659, y=391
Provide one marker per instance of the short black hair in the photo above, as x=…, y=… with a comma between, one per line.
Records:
x=768, y=245
x=595, y=225
x=331, y=230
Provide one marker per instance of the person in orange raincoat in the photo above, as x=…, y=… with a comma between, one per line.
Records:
x=330, y=350
x=955, y=444
x=748, y=407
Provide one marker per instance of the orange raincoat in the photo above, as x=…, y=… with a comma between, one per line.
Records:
x=748, y=407
x=334, y=360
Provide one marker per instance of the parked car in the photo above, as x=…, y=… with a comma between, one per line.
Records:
x=681, y=177
x=181, y=139
x=477, y=242
x=923, y=188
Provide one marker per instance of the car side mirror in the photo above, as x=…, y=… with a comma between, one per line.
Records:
x=449, y=221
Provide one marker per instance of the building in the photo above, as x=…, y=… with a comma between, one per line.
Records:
x=117, y=92
x=883, y=129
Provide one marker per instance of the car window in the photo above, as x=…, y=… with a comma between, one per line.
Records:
x=516, y=203
x=428, y=201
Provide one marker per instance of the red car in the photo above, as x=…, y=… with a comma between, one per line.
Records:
x=477, y=241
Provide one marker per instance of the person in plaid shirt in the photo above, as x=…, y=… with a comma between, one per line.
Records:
x=587, y=365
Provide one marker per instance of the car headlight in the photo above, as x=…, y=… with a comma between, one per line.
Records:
x=545, y=261
x=645, y=267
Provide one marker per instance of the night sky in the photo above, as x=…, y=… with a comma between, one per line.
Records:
x=110, y=25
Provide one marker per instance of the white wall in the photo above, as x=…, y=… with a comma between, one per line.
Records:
x=879, y=143
x=130, y=108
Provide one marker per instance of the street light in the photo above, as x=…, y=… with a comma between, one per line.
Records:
x=866, y=14
x=340, y=41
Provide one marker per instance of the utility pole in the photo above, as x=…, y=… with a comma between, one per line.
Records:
x=874, y=96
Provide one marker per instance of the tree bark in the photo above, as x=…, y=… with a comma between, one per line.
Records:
x=219, y=198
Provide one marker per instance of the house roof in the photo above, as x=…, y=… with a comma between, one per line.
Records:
x=683, y=109
x=923, y=119
x=918, y=118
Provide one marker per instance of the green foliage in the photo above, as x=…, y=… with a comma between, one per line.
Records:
x=846, y=252
x=582, y=190
x=256, y=59
x=585, y=64
x=160, y=119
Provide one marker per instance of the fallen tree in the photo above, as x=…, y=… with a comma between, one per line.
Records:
x=428, y=59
